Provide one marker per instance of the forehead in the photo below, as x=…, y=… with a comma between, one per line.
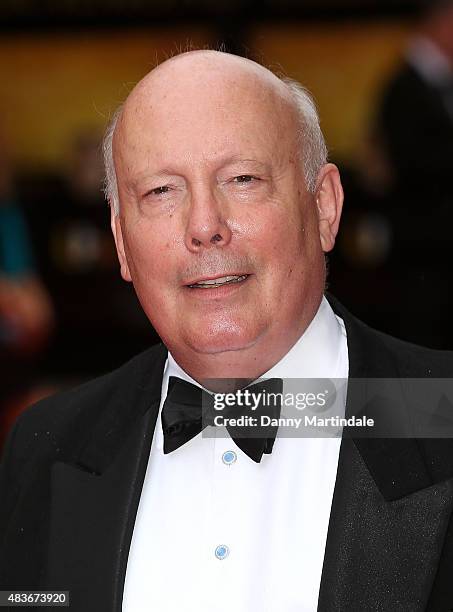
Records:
x=203, y=113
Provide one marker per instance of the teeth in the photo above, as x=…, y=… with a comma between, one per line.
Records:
x=217, y=282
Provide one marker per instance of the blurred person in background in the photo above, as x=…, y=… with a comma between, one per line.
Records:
x=414, y=129
x=26, y=310
x=68, y=218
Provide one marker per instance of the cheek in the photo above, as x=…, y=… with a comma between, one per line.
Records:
x=283, y=238
x=150, y=251
x=292, y=251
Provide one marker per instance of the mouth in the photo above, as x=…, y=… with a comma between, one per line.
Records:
x=221, y=281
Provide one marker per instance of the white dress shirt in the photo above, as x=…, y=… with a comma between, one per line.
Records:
x=243, y=536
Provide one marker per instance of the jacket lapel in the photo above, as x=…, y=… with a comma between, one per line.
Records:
x=94, y=497
x=381, y=554
x=390, y=507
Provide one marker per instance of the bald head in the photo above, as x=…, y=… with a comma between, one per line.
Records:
x=197, y=82
x=206, y=69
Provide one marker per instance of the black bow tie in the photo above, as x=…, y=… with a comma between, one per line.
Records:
x=188, y=409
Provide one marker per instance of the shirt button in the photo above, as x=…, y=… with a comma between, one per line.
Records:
x=222, y=552
x=229, y=457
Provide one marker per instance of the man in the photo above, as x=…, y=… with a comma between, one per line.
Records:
x=415, y=125
x=416, y=114
x=223, y=206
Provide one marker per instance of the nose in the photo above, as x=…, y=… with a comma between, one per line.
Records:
x=207, y=224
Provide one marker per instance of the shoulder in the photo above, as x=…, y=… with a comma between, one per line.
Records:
x=376, y=354
x=58, y=428
x=57, y=422
x=406, y=84
x=404, y=81
x=414, y=360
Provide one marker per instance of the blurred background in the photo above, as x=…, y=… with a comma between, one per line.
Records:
x=382, y=75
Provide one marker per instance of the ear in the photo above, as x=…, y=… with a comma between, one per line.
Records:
x=115, y=223
x=329, y=201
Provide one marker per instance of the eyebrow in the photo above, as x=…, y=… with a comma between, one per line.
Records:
x=237, y=159
x=164, y=172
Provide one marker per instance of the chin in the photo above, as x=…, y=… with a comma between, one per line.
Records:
x=214, y=341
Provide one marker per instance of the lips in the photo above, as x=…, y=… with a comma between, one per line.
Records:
x=221, y=281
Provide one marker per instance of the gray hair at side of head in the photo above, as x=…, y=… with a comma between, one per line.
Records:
x=311, y=143
x=110, y=181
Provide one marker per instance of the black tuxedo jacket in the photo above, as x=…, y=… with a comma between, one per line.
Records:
x=74, y=465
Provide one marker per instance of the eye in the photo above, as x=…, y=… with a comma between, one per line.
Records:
x=158, y=190
x=245, y=178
